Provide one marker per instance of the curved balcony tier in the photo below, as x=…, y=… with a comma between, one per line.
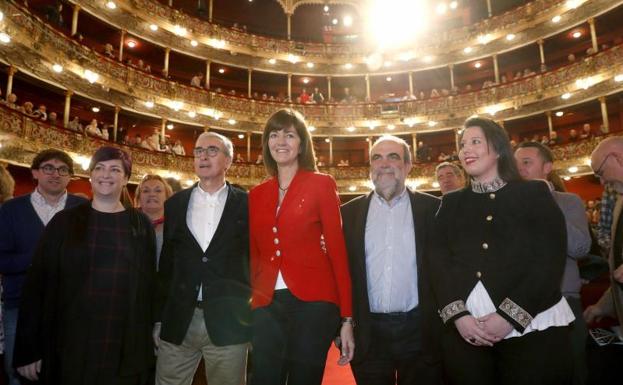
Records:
x=529, y=23
x=21, y=137
x=129, y=88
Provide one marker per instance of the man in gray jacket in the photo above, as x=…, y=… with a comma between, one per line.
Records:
x=536, y=161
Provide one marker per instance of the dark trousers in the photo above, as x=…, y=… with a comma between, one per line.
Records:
x=291, y=339
x=538, y=358
x=395, y=354
x=579, y=333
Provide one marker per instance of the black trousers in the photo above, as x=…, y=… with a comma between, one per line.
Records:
x=538, y=358
x=291, y=339
x=395, y=354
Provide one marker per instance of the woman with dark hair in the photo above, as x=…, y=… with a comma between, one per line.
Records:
x=499, y=255
x=299, y=269
x=86, y=315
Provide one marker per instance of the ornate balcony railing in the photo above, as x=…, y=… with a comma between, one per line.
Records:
x=21, y=137
x=529, y=22
x=129, y=88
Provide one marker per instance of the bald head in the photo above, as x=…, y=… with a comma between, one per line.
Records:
x=607, y=162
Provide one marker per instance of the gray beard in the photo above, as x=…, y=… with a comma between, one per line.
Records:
x=388, y=192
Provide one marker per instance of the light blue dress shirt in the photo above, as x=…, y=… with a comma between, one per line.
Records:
x=391, y=264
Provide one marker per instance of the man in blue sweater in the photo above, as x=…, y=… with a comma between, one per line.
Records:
x=22, y=221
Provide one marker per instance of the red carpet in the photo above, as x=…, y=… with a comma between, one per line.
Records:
x=334, y=374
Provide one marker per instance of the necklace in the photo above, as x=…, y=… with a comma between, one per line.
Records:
x=284, y=189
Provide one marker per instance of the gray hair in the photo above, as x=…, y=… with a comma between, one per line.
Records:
x=395, y=139
x=455, y=168
x=227, y=144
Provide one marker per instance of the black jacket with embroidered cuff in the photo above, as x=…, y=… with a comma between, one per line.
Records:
x=513, y=240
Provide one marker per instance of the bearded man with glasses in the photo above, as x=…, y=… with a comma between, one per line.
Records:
x=22, y=221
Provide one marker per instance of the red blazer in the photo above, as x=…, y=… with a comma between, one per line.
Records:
x=290, y=241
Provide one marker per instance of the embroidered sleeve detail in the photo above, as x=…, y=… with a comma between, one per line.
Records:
x=451, y=310
x=515, y=311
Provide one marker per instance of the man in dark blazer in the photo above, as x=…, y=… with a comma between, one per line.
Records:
x=204, y=275
x=397, y=328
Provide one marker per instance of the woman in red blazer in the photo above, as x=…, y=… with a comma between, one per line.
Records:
x=299, y=267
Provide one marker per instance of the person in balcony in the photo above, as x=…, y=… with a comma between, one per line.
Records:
x=87, y=314
x=408, y=96
x=317, y=96
x=573, y=135
x=300, y=278
x=196, y=80
x=348, y=97
x=108, y=51
x=27, y=108
x=498, y=259
x=75, y=125
x=52, y=119
x=178, y=148
x=554, y=139
x=12, y=101
x=93, y=130
x=434, y=93
x=304, y=97
x=153, y=140
x=587, y=133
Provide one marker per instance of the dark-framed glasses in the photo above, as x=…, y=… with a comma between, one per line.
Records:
x=600, y=169
x=48, y=169
x=211, y=151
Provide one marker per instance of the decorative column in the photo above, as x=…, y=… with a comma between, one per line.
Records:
x=167, y=52
x=414, y=146
x=289, y=18
x=591, y=24
x=541, y=51
x=496, y=69
x=67, y=109
x=210, y=7
x=115, y=124
x=369, y=140
x=163, y=126
x=451, y=68
x=411, y=82
x=489, y=11
x=170, y=3
x=604, y=115
x=249, y=147
x=328, y=88
x=208, y=63
x=550, y=122
x=330, y=151
x=367, y=78
x=121, y=40
x=249, y=76
x=9, y=82
x=290, y=87
x=74, y=19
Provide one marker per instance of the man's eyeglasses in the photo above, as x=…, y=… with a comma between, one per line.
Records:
x=211, y=151
x=48, y=169
x=600, y=170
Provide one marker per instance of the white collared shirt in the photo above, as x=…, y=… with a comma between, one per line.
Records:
x=204, y=214
x=44, y=210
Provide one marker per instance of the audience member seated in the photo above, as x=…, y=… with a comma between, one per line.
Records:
x=434, y=93
x=545, y=140
x=54, y=14
x=52, y=119
x=348, y=98
x=105, y=134
x=587, y=133
x=442, y=157
x=239, y=158
x=317, y=96
x=196, y=80
x=553, y=138
x=153, y=141
x=27, y=109
x=93, y=130
x=343, y=163
x=108, y=51
x=304, y=97
x=75, y=125
x=178, y=149
x=41, y=113
x=571, y=58
x=573, y=135
x=260, y=159
x=12, y=101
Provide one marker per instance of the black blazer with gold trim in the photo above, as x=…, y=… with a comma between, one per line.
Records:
x=513, y=240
